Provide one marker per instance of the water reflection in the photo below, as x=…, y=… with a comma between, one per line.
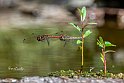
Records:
x=19, y=59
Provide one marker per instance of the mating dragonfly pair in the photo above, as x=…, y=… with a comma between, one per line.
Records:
x=47, y=37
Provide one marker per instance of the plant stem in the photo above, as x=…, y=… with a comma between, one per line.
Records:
x=82, y=23
x=103, y=52
x=82, y=50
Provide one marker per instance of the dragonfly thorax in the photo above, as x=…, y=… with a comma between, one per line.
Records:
x=41, y=38
x=62, y=38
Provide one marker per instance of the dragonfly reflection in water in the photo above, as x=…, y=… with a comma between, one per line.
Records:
x=61, y=37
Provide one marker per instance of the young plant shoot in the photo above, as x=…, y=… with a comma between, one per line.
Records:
x=103, y=44
x=84, y=23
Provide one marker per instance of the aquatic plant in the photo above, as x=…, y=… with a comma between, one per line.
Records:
x=103, y=44
x=77, y=74
x=84, y=22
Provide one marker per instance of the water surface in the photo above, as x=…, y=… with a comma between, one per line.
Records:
x=34, y=58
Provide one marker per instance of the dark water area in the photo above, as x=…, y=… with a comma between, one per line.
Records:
x=33, y=58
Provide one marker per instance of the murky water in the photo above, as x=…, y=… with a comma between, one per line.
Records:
x=34, y=58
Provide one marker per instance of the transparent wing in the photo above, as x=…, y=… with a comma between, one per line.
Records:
x=70, y=41
x=30, y=38
x=33, y=38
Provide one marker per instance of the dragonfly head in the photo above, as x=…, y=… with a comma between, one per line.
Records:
x=62, y=38
x=39, y=38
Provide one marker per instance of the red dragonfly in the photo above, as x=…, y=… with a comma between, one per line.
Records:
x=61, y=37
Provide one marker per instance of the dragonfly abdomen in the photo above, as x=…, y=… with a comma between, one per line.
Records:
x=71, y=38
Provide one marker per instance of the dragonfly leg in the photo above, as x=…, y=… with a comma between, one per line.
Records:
x=65, y=42
x=48, y=41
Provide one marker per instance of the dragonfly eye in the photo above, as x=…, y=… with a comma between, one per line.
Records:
x=62, y=38
x=39, y=38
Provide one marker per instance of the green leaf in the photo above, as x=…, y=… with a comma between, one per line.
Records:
x=102, y=57
x=81, y=15
x=101, y=46
x=76, y=26
x=107, y=44
x=79, y=41
x=87, y=33
x=83, y=11
x=109, y=51
x=79, y=11
x=99, y=43
x=101, y=40
x=92, y=23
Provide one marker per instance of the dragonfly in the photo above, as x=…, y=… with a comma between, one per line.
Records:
x=61, y=37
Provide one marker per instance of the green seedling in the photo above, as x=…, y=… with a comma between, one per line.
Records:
x=84, y=23
x=103, y=44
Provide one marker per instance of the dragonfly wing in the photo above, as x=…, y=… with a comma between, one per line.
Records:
x=30, y=40
x=33, y=38
x=65, y=42
x=71, y=42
